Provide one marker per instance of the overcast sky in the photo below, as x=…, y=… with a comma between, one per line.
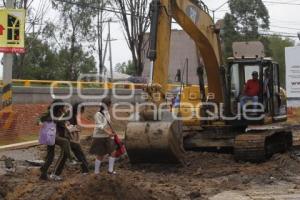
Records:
x=284, y=17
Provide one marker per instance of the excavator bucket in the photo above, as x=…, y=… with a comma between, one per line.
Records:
x=155, y=142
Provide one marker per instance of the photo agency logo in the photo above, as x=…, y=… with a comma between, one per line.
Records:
x=129, y=103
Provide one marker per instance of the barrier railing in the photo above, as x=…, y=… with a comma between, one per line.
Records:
x=75, y=84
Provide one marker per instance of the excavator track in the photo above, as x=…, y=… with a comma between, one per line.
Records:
x=257, y=145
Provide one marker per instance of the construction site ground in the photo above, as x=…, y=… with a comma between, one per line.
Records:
x=208, y=175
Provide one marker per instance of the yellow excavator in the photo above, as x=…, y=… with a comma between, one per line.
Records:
x=207, y=116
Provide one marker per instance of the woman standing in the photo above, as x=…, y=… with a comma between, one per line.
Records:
x=103, y=138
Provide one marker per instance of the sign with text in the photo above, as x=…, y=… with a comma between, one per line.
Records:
x=292, y=60
x=12, y=28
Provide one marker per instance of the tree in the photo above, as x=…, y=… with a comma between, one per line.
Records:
x=40, y=62
x=35, y=18
x=277, y=46
x=126, y=68
x=84, y=62
x=135, y=26
x=43, y=63
x=245, y=20
x=75, y=28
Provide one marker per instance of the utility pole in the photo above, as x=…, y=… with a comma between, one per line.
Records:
x=109, y=40
x=215, y=10
x=105, y=50
x=7, y=74
x=110, y=56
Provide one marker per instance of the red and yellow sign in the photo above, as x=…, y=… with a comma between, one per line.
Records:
x=12, y=30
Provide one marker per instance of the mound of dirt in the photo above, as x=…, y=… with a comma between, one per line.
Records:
x=79, y=187
x=206, y=175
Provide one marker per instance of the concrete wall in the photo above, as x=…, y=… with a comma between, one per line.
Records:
x=41, y=95
x=181, y=47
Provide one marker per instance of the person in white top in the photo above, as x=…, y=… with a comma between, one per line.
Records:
x=103, y=138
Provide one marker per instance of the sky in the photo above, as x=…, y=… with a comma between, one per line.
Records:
x=284, y=18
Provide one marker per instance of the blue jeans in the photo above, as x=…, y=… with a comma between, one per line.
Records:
x=245, y=99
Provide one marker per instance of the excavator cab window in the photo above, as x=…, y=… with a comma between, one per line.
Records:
x=240, y=73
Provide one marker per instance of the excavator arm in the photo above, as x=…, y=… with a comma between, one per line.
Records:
x=161, y=140
x=194, y=18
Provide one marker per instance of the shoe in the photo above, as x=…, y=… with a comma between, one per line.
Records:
x=85, y=172
x=55, y=177
x=112, y=173
x=74, y=162
x=44, y=177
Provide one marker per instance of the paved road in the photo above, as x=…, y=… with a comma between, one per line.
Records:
x=278, y=191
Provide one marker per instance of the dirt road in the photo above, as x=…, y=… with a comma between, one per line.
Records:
x=208, y=176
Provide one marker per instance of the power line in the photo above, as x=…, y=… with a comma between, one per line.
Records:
x=285, y=22
x=297, y=29
x=282, y=3
x=281, y=35
x=225, y=10
x=108, y=9
x=221, y=6
x=275, y=4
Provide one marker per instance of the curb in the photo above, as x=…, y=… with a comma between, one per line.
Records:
x=22, y=145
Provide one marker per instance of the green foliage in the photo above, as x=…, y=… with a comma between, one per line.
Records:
x=249, y=16
x=44, y=63
x=277, y=46
x=74, y=28
x=39, y=62
x=75, y=21
x=243, y=23
x=83, y=62
x=229, y=35
x=126, y=68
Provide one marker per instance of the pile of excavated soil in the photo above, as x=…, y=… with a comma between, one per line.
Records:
x=207, y=175
x=76, y=187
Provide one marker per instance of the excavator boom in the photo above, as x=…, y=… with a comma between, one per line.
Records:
x=195, y=20
x=161, y=139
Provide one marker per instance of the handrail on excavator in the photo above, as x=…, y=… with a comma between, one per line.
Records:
x=202, y=5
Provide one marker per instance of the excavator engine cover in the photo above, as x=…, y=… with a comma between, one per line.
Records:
x=154, y=142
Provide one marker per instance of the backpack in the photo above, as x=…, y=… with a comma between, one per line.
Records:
x=48, y=133
x=120, y=150
x=120, y=147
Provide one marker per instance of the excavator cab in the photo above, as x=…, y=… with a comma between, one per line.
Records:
x=271, y=102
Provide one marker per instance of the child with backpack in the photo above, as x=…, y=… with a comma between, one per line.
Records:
x=50, y=127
